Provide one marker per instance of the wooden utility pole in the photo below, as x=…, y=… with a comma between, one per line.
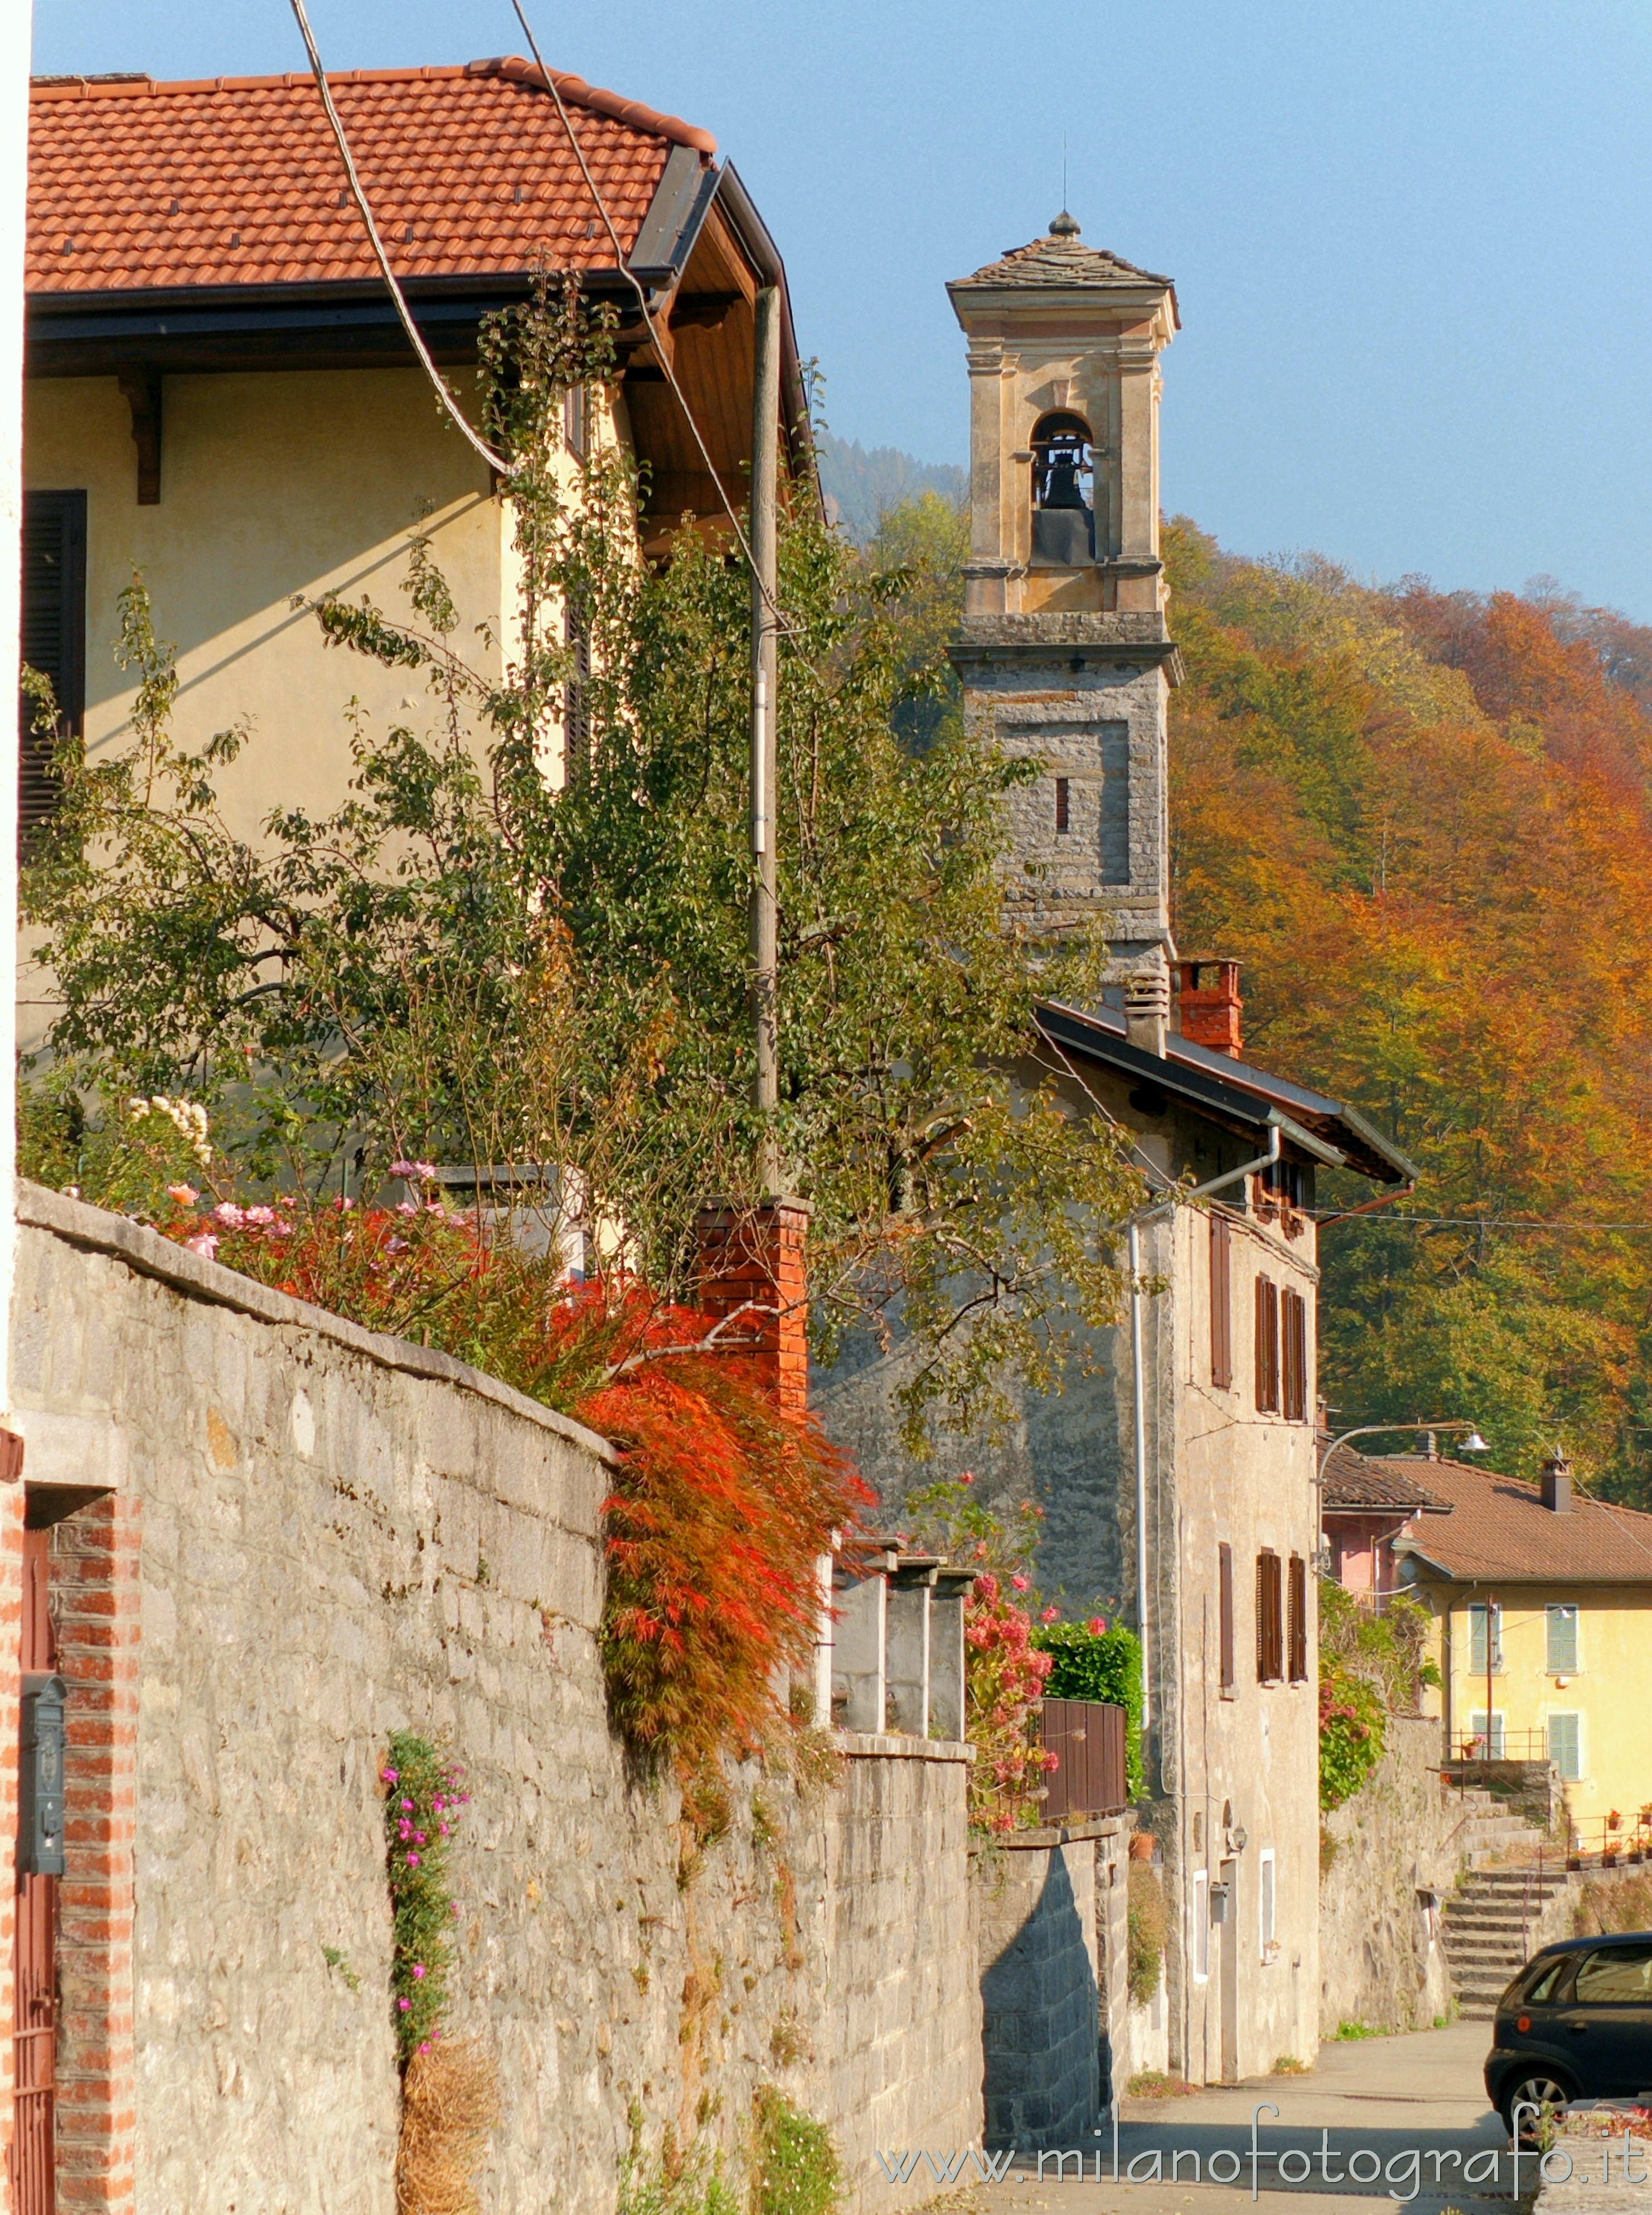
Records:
x=765, y=957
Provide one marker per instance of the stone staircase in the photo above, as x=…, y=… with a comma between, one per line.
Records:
x=1491, y=1925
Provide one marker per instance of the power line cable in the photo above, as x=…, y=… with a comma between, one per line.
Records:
x=496, y=462
x=662, y=352
x=1494, y=1222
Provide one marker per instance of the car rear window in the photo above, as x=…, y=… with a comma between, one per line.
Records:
x=1616, y=1973
x=1547, y=1977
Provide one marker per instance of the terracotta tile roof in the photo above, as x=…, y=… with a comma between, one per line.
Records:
x=139, y=186
x=1060, y=258
x=1499, y=1530
x=1354, y=1480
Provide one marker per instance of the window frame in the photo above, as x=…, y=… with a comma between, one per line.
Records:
x=1267, y=1901
x=1497, y=1738
x=1221, y=1301
x=37, y=795
x=1201, y=1912
x=1226, y=1645
x=1293, y=1355
x=1574, y=1717
x=1296, y=1621
x=1266, y=1306
x=1477, y=1667
x=1551, y=1666
x=1271, y=1617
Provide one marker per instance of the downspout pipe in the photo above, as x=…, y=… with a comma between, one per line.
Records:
x=1138, y=1379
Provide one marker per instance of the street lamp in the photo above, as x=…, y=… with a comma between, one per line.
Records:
x=1472, y=1444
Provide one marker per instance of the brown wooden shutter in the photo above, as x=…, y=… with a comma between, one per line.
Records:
x=1270, y=1626
x=1299, y=1619
x=1267, y=1346
x=1222, y=1302
x=1296, y=1357
x=53, y=636
x=1225, y=1612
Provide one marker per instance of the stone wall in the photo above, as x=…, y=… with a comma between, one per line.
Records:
x=341, y=1534
x=1050, y=1911
x=1396, y=1850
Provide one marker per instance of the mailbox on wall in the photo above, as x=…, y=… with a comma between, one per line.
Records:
x=39, y=1813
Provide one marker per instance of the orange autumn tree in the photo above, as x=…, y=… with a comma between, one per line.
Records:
x=1424, y=823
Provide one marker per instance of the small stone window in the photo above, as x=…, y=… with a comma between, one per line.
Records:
x=1063, y=500
x=1063, y=804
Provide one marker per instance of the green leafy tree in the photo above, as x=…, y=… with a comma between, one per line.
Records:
x=472, y=962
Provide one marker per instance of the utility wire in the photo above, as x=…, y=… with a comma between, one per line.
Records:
x=494, y=461
x=662, y=353
x=1494, y=1222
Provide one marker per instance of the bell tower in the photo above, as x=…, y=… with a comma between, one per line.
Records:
x=1063, y=651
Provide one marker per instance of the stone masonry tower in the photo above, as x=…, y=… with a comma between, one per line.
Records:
x=1063, y=651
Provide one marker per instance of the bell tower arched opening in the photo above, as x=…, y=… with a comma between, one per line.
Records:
x=1063, y=490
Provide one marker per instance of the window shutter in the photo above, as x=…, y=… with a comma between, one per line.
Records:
x=1477, y=1619
x=1564, y=1750
x=1296, y=1357
x=1270, y=1657
x=576, y=696
x=1299, y=1620
x=1222, y=1302
x=1266, y=1347
x=1225, y=1612
x=1561, y=1659
x=53, y=636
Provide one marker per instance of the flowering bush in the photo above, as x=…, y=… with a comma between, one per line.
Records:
x=1004, y=1682
x=1351, y=1718
x=423, y=1800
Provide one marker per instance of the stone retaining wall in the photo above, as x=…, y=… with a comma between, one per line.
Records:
x=1396, y=1857
x=336, y=1535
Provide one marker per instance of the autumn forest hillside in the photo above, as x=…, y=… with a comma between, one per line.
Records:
x=1423, y=823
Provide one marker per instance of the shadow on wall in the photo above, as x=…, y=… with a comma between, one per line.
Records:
x=1041, y=2019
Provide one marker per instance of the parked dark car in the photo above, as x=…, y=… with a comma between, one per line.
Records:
x=1576, y=2024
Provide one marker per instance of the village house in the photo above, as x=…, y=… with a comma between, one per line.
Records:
x=1549, y=1591
x=1178, y=1484
x=219, y=393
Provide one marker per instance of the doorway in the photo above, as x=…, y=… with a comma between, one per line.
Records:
x=33, y=2162
x=1229, y=1956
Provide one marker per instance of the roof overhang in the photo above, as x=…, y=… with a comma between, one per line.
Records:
x=1240, y=1098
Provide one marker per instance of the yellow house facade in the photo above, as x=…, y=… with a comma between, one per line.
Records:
x=219, y=393
x=1542, y=1601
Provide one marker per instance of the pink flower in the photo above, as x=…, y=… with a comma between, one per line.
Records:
x=406, y=1207
x=443, y=1828
x=419, y=1968
x=425, y=2046
x=185, y=1194
x=391, y=1776
x=1019, y=1583
x=968, y=1477
x=206, y=1245
x=406, y=1806
x=413, y=1861
x=424, y=1170
x=229, y=1215
x=455, y=1905
x=1097, y=1626
x=260, y=1215
x=406, y=2006
x=1051, y=1614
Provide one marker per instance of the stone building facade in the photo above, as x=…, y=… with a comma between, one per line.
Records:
x=1177, y=1479
x=274, y=1537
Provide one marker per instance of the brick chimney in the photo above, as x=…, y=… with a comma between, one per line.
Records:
x=1555, y=1484
x=754, y=1259
x=1208, y=995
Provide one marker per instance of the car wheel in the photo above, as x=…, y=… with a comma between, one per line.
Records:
x=1538, y=2088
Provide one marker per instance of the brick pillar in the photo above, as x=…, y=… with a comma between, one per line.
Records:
x=94, y=1589
x=753, y=1263
x=11, y=1694
x=1208, y=995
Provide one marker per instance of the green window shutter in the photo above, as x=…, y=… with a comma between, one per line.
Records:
x=1563, y=1745
x=1476, y=1639
x=1562, y=1623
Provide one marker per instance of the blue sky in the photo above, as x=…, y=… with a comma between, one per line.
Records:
x=1410, y=240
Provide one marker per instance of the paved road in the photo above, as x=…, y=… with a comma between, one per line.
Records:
x=1389, y=2104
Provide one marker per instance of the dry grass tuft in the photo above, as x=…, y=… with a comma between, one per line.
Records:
x=449, y=2103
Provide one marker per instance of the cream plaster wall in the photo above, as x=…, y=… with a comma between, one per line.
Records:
x=1246, y=1480
x=1607, y=1691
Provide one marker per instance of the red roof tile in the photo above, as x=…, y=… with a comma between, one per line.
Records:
x=1500, y=1531
x=136, y=186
